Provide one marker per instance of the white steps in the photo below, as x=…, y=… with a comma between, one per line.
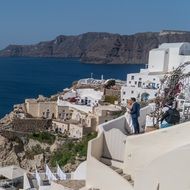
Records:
x=114, y=166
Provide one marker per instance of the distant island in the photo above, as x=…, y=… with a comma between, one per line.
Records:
x=99, y=47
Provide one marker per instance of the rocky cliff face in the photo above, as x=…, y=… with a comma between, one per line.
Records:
x=99, y=47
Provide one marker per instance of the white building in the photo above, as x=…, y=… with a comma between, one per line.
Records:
x=63, y=104
x=83, y=96
x=89, y=96
x=91, y=81
x=69, y=94
x=168, y=56
x=164, y=59
x=142, y=86
x=38, y=108
x=71, y=128
x=106, y=113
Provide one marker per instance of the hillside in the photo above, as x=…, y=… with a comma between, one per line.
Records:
x=95, y=47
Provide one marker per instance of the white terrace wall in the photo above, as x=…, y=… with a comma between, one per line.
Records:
x=80, y=172
x=119, y=123
x=143, y=149
x=142, y=119
x=115, y=134
x=99, y=175
x=168, y=172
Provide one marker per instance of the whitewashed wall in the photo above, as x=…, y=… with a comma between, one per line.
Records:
x=143, y=149
x=99, y=175
x=168, y=172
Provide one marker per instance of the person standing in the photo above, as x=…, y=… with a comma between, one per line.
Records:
x=171, y=115
x=128, y=117
x=135, y=113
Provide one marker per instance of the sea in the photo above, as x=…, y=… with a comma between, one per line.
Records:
x=22, y=78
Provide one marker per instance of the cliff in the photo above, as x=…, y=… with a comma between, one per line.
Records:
x=99, y=47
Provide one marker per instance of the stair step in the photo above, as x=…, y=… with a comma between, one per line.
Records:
x=111, y=162
x=119, y=171
x=128, y=178
x=113, y=167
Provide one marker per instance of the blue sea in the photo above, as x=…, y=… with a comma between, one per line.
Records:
x=22, y=78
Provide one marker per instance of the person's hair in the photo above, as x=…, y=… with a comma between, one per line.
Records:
x=170, y=102
x=133, y=99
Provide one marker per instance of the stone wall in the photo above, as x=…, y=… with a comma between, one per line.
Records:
x=113, y=92
x=31, y=125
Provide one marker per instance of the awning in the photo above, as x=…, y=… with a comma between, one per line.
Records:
x=12, y=172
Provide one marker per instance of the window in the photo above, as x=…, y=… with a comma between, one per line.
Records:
x=135, y=82
x=140, y=78
x=139, y=84
x=132, y=92
x=123, y=92
x=123, y=99
x=132, y=77
x=154, y=79
x=129, y=82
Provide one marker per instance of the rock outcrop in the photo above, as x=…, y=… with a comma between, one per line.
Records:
x=95, y=47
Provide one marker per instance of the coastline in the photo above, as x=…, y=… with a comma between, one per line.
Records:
x=23, y=78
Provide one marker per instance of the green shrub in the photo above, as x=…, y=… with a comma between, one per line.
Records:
x=43, y=137
x=70, y=149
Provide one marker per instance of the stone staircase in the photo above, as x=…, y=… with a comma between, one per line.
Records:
x=125, y=176
x=119, y=171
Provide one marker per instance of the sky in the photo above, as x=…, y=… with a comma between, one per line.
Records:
x=31, y=21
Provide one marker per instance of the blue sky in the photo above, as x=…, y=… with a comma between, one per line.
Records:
x=31, y=21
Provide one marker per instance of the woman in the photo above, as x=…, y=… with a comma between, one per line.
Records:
x=128, y=116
